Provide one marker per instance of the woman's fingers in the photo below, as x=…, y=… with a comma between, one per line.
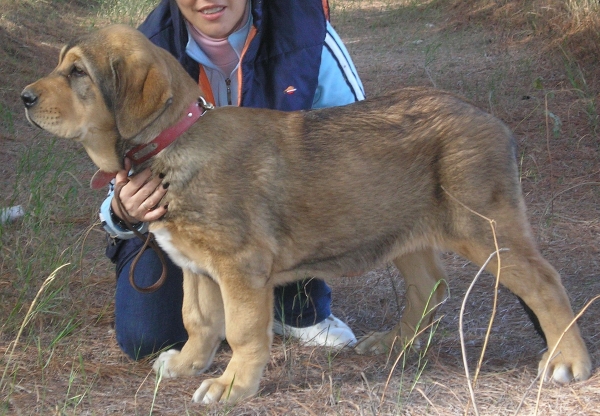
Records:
x=139, y=194
x=154, y=214
x=122, y=176
x=155, y=190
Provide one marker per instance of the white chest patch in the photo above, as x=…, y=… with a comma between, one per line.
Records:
x=163, y=236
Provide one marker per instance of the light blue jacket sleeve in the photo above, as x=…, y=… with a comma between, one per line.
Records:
x=339, y=83
x=113, y=229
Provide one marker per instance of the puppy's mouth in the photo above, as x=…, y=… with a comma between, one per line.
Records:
x=31, y=121
x=50, y=130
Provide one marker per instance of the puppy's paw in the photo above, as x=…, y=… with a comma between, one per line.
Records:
x=165, y=363
x=223, y=389
x=379, y=343
x=563, y=369
x=372, y=344
x=384, y=342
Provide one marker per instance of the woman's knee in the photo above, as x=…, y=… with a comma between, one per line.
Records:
x=145, y=323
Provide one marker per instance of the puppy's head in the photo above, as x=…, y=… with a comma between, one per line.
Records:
x=109, y=86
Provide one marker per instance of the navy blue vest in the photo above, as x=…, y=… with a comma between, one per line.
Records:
x=285, y=52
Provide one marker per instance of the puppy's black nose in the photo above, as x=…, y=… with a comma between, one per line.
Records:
x=29, y=98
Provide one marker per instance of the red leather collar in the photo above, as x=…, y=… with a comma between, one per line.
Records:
x=143, y=152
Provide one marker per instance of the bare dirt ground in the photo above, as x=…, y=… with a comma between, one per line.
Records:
x=518, y=60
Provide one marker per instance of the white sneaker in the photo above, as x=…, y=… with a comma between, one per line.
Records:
x=330, y=332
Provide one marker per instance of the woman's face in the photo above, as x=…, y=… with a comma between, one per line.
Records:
x=214, y=18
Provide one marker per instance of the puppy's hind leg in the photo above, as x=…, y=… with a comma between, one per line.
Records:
x=528, y=275
x=204, y=320
x=426, y=285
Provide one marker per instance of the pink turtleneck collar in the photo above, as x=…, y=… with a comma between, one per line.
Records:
x=219, y=51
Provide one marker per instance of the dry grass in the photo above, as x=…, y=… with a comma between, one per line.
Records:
x=533, y=63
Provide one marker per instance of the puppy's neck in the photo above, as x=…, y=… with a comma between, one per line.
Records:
x=146, y=151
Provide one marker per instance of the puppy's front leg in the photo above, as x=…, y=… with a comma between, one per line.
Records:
x=204, y=320
x=249, y=315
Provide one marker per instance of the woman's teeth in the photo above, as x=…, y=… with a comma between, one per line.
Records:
x=212, y=10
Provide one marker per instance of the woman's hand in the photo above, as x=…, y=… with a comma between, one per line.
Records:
x=139, y=194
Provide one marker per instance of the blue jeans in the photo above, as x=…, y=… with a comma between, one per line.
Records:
x=148, y=322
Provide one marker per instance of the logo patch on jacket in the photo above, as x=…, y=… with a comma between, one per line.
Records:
x=290, y=90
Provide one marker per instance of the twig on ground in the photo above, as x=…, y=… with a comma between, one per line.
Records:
x=497, y=283
x=462, y=334
x=427, y=399
x=554, y=196
x=525, y=395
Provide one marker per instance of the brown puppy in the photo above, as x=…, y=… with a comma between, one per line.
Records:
x=259, y=198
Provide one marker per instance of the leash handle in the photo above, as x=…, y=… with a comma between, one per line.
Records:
x=149, y=241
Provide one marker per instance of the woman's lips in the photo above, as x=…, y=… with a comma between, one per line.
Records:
x=212, y=12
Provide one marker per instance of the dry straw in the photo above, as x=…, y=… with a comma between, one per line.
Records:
x=28, y=317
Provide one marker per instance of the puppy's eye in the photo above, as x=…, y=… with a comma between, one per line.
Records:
x=77, y=72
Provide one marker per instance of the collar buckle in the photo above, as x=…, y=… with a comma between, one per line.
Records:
x=205, y=104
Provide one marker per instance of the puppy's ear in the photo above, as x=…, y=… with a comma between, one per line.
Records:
x=142, y=91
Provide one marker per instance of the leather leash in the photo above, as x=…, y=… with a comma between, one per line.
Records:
x=142, y=153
